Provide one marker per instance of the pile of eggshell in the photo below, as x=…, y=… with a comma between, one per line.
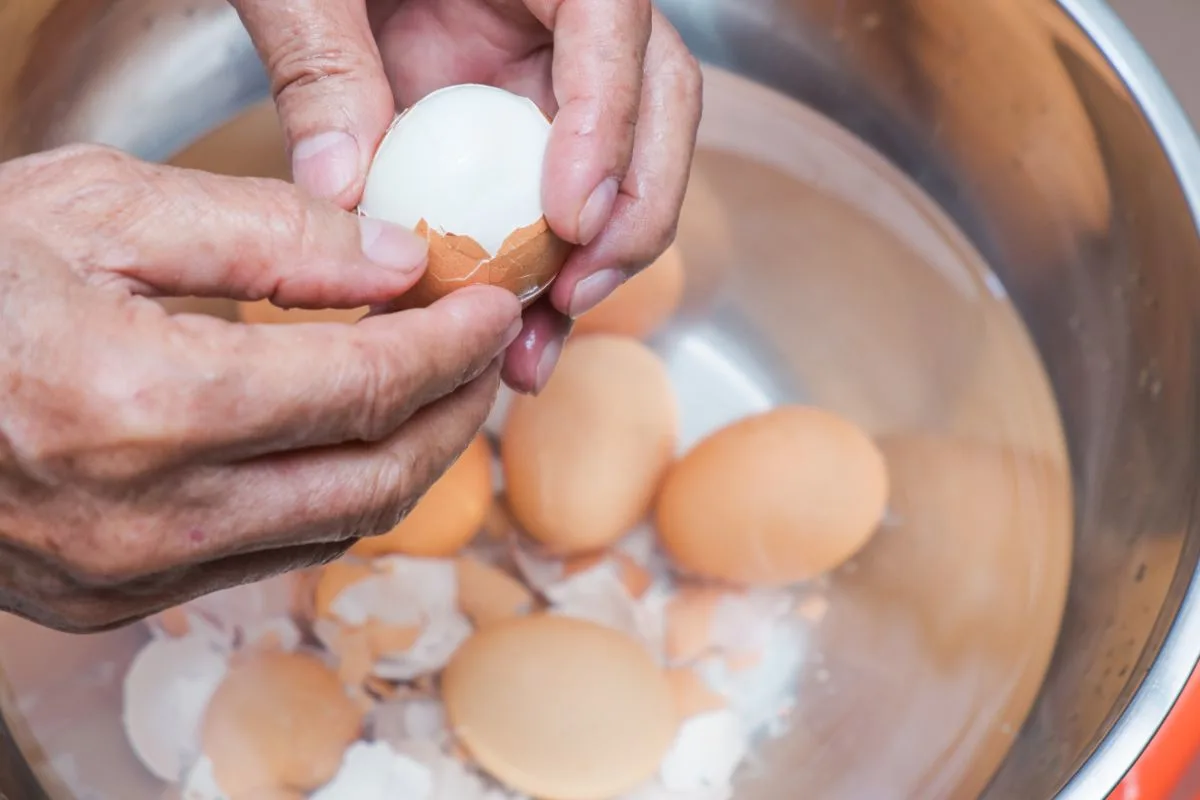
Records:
x=575, y=610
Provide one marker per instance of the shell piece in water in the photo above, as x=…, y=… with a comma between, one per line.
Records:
x=706, y=753
x=166, y=692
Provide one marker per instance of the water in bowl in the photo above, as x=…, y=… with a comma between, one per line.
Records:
x=816, y=273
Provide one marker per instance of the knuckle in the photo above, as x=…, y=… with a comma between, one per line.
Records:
x=310, y=57
x=395, y=488
x=105, y=555
x=391, y=384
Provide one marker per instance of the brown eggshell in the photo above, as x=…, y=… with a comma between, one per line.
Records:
x=278, y=721
x=447, y=517
x=528, y=262
x=335, y=578
x=487, y=594
x=560, y=708
x=262, y=312
x=774, y=499
x=642, y=304
x=692, y=695
x=583, y=460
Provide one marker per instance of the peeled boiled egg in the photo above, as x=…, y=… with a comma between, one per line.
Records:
x=278, y=720
x=560, y=708
x=774, y=499
x=583, y=460
x=463, y=167
x=448, y=516
x=642, y=304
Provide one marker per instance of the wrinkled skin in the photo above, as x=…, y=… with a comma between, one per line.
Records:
x=146, y=459
x=625, y=92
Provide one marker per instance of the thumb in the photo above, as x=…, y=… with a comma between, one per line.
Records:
x=172, y=231
x=333, y=97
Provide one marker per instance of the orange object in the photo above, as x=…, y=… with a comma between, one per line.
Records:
x=1170, y=767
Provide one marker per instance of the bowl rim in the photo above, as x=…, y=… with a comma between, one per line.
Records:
x=1164, y=683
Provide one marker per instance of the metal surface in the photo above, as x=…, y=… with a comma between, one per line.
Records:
x=1061, y=154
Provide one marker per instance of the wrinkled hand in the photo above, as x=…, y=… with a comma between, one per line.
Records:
x=625, y=89
x=146, y=459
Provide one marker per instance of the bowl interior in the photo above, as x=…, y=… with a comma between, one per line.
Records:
x=954, y=225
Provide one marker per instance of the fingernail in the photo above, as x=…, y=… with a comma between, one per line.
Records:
x=325, y=165
x=592, y=290
x=512, y=333
x=597, y=210
x=392, y=246
x=546, y=364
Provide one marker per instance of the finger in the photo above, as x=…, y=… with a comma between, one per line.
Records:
x=646, y=215
x=74, y=608
x=183, y=232
x=599, y=48
x=309, y=385
x=329, y=85
x=328, y=494
x=531, y=358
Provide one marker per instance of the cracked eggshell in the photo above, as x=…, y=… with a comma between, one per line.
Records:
x=559, y=708
x=278, y=720
x=463, y=167
x=242, y=613
x=584, y=459
x=166, y=691
x=448, y=516
x=487, y=593
x=774, y=499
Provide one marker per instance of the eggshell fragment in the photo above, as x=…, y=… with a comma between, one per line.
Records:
x=487, y=594
x=239, y=615
x=692, y=694
x=279, y=720
x=473, y=190
x=774, y=499
x=374, y=771
x=264, y=312
x=688, y=627
x=447, y=517
x=641, y=305
x=583, y=460
x=706, y=753
x=166, y=691
x=560, y=709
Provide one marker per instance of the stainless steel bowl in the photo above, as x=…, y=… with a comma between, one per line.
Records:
x=1040, y=128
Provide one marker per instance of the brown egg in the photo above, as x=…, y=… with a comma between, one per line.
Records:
x=278, y=721
x=262, y=312
x=642, y=304
x=487, y=594
x=773, y=499
x=447, y=517
x=560, y=708
x=583, y=460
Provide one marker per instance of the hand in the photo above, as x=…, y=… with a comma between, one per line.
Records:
x=146, y=459
x=625, y=89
